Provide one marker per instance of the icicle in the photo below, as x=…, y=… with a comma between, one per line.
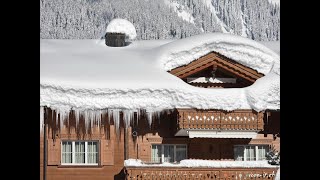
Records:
x=77, y=116
x=149, y=117
x=109, y=115
x=152, y=113
x=62, y=113
x=41, y=118
x=67, y=116
x=138, y=116
x=128, y=116
x=52, y=113
x=116, y=118
x=98, y=118
x=86, y=117
x=57, y=116
x=92, y=115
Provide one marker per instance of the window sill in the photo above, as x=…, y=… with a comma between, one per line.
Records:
x=80, y=166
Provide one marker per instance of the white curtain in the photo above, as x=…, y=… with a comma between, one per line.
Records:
x=250, y=153
x=168, y=153
x=156, y=154
x=181, y=152
x=79, y=153
x=262, y=150
x=92, y=152
x=66, y=152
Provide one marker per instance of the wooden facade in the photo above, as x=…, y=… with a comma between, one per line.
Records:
x=162, y=131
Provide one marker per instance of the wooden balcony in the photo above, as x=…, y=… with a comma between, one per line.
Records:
x=200, y=173
x=244, y=120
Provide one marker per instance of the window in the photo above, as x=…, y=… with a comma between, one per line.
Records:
x=168, y=153
x=250, y=152
x=79, y=153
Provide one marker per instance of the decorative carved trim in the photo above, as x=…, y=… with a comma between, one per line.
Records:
x=260, y=141
x=220, y=120
x=154, y=139
x=85, y=137
x=173, y=140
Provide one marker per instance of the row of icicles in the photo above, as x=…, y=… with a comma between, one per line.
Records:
x=94, y=116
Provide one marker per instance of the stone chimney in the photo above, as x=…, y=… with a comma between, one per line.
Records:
x=115, y=39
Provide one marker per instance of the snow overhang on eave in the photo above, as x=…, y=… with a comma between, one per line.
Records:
x=192, y=133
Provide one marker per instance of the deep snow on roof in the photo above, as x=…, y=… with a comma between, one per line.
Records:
x=243, y=50
x=87, y=74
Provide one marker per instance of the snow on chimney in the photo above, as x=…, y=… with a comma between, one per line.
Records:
x=118, y=31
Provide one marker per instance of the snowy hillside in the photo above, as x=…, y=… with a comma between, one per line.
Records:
x=161, y=19
x=273, y=45
x=275, y=2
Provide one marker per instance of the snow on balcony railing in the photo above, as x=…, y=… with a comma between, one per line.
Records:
x=201, y=169
x=202, y=164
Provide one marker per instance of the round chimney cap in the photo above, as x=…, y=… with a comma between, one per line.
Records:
x=122, y=26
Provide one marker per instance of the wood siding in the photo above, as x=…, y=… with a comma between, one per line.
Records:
x=139, y=147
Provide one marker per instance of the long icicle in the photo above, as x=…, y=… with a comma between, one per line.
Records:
x=149, y=117
x=116, y=119
x=41, y=118
x=77, y=116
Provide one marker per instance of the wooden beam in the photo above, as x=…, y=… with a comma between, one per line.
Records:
x=216, y=60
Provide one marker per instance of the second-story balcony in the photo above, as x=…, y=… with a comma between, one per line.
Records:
x=219, y=124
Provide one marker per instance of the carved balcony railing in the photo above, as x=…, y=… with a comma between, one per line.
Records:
x=248, y=120
x=200, y=173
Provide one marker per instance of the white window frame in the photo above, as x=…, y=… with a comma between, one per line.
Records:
x=86, y=153
x=174, y=151
x=256, y=151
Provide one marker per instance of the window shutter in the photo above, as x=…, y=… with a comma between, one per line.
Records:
x=54, y=151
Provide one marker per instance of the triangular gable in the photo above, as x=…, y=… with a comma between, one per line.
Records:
x=217, y=60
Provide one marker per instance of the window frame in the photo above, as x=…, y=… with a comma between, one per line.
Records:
x=256, y=152
x=73, y=142
x=162, y=152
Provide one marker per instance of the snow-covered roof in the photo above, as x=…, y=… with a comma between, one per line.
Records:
x=243, y=50
x=88, y=75
x=122, y=26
